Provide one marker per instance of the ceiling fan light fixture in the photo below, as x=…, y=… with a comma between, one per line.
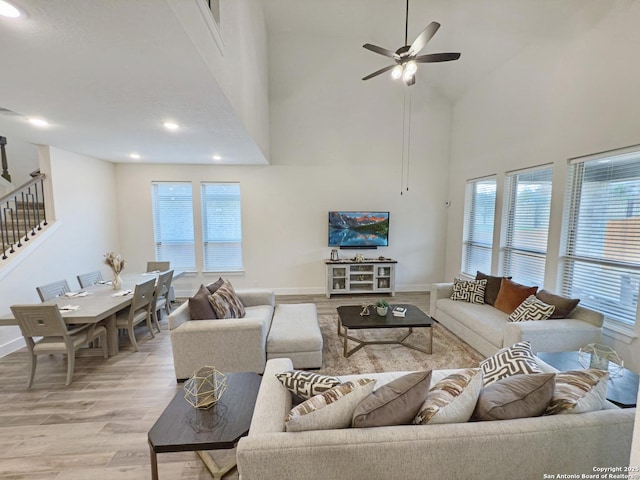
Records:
x=407, y=76
x=410, y=68
x=397, y=71
x=8, y=10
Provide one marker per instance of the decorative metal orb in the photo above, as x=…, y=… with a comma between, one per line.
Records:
x=205, y=387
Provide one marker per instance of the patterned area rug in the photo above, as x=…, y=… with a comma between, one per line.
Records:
x=448, y=350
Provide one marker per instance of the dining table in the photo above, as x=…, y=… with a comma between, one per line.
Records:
x=98, y=303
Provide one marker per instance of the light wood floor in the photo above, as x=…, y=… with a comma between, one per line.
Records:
x=96, y=428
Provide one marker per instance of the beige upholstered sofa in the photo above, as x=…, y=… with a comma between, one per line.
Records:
x=244, y=344
x=487, y=330
x=524, y=448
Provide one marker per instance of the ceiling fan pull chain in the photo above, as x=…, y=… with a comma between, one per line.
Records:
x=409, y=141
x=404, y=120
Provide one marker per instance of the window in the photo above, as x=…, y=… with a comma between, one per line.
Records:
x=222, y=227
x=173, y=224
x=479, y=212
x=526, y=225
x=601, y=261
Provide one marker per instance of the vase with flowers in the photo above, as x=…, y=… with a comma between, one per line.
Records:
x=117, y=264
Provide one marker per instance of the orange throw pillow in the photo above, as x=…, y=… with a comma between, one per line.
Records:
x=511, y=295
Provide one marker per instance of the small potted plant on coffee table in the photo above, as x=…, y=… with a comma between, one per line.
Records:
x=382, y=306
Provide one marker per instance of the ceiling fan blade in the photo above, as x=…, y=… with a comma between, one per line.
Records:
x=426, y=35
x=378, y=72
x=436, y=57
x=381, y=51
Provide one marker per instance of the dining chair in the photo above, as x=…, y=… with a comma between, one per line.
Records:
x=161, y=296
x=53, y=290
x=87, y=279
x=139, y=311
x=45, y=321
x=158, y=266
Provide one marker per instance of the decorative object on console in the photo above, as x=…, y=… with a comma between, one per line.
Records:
x=599, y=357
x=117, y=264
x=334, y=255
x=382, y=307
x=205, y=387
x=359, y=257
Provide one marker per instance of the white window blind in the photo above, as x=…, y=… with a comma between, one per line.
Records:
x=601, y=261
x=526, y=225
x=173, y=224
x=479, y=212
x=222, y=227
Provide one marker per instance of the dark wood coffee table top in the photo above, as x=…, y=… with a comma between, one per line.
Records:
x=414, y=317
x=182, y=427
x=622, y=390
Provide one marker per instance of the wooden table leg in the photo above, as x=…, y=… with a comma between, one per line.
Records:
x=112, y=335
x=154, y=463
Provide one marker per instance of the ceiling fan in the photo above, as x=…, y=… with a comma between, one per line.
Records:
x=406, y=57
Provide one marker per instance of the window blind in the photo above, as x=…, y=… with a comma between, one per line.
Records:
x=526, y=225
x=172, y=205
x=479, y=212
x=601, y=261
x=222, y=227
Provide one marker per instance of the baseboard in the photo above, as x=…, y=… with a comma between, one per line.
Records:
x=12, y=346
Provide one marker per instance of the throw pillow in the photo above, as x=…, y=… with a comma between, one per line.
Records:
x=306, y=384
x=213, y=287
x=492, y=288
x=531, y=309
x=199, y=306
x=564, y=306
x=226, y=303
x=452, y=399
x=331, y=409
x=511, y=295
x=395, y=403
x=514, y=360
x=520, y=396
x=468, y=290
x=579, y=391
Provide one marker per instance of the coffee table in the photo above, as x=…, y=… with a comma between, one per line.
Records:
x=349, y=318
x=183, y=428
x=622, y=390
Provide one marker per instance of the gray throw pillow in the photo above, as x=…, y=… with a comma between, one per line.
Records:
x=564, y=306
x=395, y=403
x=213, y=287
x=199, y=306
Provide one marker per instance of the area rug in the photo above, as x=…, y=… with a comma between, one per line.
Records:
x=448, y=350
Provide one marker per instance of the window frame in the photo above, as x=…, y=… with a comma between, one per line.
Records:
x=469, y=243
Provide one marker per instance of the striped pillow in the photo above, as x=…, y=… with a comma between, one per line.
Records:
x=532, y=309
x=226, y=303
x=579, y=391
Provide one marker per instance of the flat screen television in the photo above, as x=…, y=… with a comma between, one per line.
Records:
x=358, y=229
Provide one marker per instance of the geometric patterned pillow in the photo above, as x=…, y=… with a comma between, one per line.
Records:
x=469, y=290
x=514, y=360
x=531, y=309
x=579, y=391
x=306, y=384
x=452, y=399
x=226, y=303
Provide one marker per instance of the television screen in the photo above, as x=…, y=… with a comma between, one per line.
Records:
x=358, y=229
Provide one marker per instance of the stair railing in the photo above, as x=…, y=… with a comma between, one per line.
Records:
x=22, y=215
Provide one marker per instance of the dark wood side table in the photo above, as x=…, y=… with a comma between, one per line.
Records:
x=622, y=390
x=183, y=428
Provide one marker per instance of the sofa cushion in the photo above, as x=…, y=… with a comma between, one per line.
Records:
x=468, y=290
x=514, y=360
x=395, y=403
x=512, y=294
x=226, y=303
x=331, y=409
x=579, y=391
x=452, y=399
x=484, y=320
x=564, y=306
x=519, y=396
x=199, y=306
x=531, y=309
x=492, y=288
x=307, y=384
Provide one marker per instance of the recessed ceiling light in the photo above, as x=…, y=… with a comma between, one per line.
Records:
x=8, y=10
x=217, y=157
x=135, y=156
x=38, y=122
x=171, y=126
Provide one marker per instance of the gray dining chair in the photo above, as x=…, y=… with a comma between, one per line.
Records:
x=45, y=321
x=87, y=279
x=161, y=297
x=53, y=290
x=139, y=311
x=158, y=266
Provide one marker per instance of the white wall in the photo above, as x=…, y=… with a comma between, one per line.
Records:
x=85, y=229
x=573, y=94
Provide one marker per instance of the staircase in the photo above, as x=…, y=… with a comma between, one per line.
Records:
x=22, y=216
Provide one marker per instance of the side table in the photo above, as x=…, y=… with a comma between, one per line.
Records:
x=183, y=428
x=621, y=390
